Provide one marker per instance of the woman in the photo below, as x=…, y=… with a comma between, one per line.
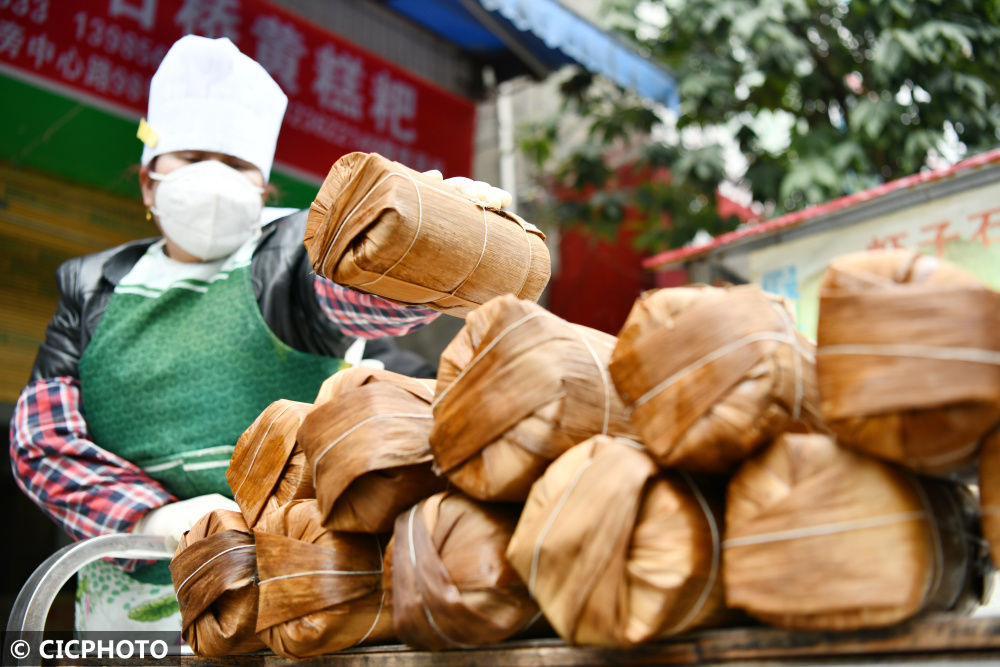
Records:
x=163, y=351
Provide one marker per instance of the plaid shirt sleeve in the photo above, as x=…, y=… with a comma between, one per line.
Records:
x=87, y=490
x=366, y=316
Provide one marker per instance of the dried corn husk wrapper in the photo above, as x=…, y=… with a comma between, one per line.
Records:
x=450, y=582
x=213, y=571
x=366, y=443
x=989, y=492
x=711, y=374
x=819, y=537
x=517, y=387
x=268, y=468
x=615, y=552
x=908, y=358
x=320, y=590
x=383, y=228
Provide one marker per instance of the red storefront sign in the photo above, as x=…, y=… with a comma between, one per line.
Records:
x=341, y=97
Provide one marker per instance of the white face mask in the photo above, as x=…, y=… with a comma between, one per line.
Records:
x=207, y=208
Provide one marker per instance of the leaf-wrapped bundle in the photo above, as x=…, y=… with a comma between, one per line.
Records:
x=268, y=468
x=320, y=590
x=366, y=443
x=213, y=571
x=380, y=227
x=616, y=552
x=820, y=537
x=712, y=374
x=517, y=387
x=908, y=358
x=450, y=581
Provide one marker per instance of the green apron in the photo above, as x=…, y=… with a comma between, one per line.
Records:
x=178, y=368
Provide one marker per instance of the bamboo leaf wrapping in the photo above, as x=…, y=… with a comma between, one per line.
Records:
x=268, y=468
x=380, y=227
x=213, y=571
x=615, y=552
x=517, y=387
x=820, y=537
x=366, y=442
x=711, y=374
x=450, y=581
x=908, y=358
x=320, y=590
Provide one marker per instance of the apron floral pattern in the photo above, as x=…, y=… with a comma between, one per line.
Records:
x=106, y=597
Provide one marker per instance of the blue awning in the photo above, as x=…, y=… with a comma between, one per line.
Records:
x=537, y=37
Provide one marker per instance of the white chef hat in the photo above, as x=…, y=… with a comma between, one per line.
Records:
x=207, y=95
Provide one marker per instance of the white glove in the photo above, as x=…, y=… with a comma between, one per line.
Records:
x=480, y=192
x=355, y=356
x=175, y=519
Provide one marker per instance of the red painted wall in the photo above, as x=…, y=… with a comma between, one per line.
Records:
x=597, y=280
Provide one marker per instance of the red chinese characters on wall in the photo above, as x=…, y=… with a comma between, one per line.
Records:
x=983, y=227
x=341, y=97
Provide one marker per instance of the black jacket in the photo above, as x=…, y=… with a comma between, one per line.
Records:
x=282, y=282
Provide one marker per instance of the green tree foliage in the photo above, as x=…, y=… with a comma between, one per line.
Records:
x=859, y=91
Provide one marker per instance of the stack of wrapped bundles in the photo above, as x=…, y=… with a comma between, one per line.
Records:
x=382, y=228
x=450, y=582
x=908, y=358
x=268, y=469
x=819, y=537
x=989, y=490
x=214, y=574
x=517, y=387
x=320, y=590
x=711, y=374
x=366, y=443
x=616, y=552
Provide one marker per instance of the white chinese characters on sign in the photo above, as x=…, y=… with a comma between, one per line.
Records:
x=11, y=38
x=37, y=11
x=98, y=73
x=394, y=103
x=210, y=18
x=280, y=47
x=104, y=76
x=91, y=60
x=337, y=93
x=312, y=121
x=98, y=33
x=338, y=82
x=142, y=12
x=70, y=64
x=41, y=49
